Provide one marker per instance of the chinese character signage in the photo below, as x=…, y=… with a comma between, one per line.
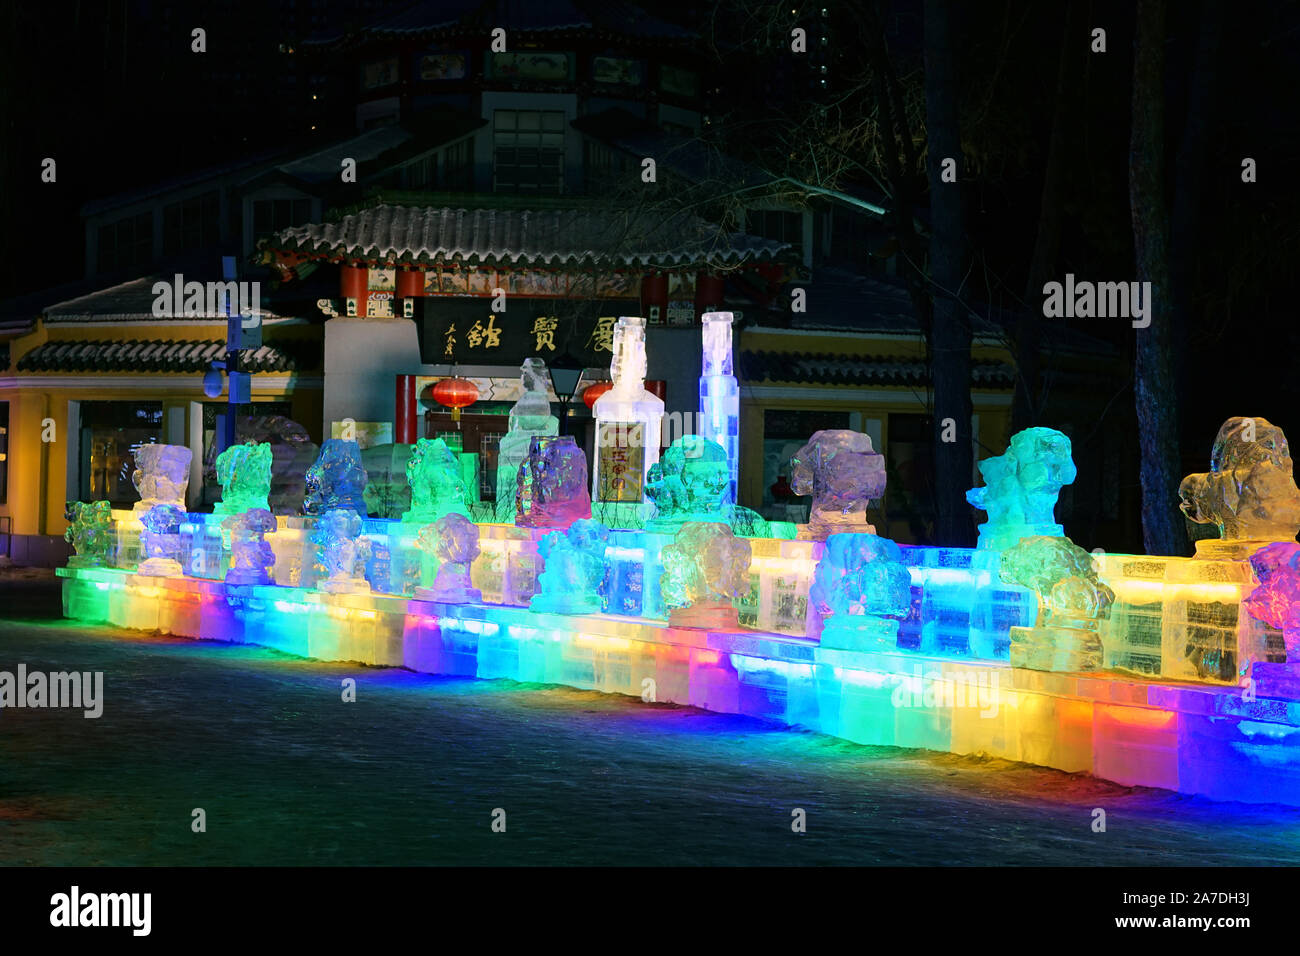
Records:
x=621, y=447
x=468, y=331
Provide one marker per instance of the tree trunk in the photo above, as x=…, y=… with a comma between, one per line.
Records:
x=950, y=359
x=1155, y=386
x=1025, y=408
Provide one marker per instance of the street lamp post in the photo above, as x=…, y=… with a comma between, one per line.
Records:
x=566, y=372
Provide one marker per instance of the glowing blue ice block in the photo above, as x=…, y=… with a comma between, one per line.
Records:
x=720, y=392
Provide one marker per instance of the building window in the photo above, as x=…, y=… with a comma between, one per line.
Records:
x=603, y=166
x=127, y=243
x=192, y=223
x=272, y=215
x=776, y=224
x=458, y=166
x=528, y=151
x=4, y=452
x=110, y=434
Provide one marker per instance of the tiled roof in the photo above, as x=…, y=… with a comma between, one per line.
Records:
x=137, y=355
x=558, y=237
x=828, y=369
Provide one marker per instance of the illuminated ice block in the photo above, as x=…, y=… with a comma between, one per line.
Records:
x=575, y=571
x=706, y=569
x=251, y=555
x=160, y=540
x=530, y=417
x=1276, y=599
x=91, y=533
x=1021, y=487
x=162, y=473
x=337, y=479
x=343, y=552
x=437, y=483
x=842, y=473
x=1249, y=494
x=719, y=418
x=244, y=472
x=453, y=540
x=551, y=487
x=629, y=419
x=864, y=589
x=1072, y=603
x=692, y=481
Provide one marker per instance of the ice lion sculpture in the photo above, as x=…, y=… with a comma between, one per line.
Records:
x=574, y=575
x=1021, y=487
x=452, y=540
x=337, y=479
x=705, y=569
x=437, y=485
x=843, y=473
x=551, y=489
x=863, y=587
x=244, y=472
x=692, y=482
x=90, y=531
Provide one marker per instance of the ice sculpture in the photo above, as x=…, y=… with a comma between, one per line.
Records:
x=161, y=541
x=705, y=569
x=251, y=555
x=862, y=584
x=1249, y=493
x=437, y=483
x=720, y=392
x=162, y=473
x=843, y=473
x=342, y=551
x=692, y=481
x=574, y=575
x=628, y=421
x=336, y=480
x=1021, y=487
x=551, y=488
x=453, y=541
x=1072, y=602
x=245, y=475
x=530, y=417
x=90, y=531
x=1276, y=599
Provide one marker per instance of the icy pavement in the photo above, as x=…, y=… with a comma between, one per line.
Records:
x=411, y=773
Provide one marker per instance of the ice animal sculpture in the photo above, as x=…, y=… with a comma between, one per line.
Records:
x=453, y=541
x=1021, y=487
x=843, y=473
x=1276, y=599
x=530, y=417
x=705, y=569
x=1072, y=602
x=551, y=488
x=692, y=482
x=437, y=483
x=90, y=531
x=343, y=551
x=1249, y=494
x=336, y=480
x=251, y=555
x=161, y=541
x=575, y=572
x=863, y=586
x=245, y=475
x=162, y=473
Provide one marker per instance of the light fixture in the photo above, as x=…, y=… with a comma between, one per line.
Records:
x=566, y=372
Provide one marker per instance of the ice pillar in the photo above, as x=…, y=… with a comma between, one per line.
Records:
x=719, y=418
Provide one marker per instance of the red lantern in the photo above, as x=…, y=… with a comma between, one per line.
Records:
x=455, y=393
x=593, y=392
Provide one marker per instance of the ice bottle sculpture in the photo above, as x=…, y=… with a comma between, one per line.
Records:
x=575, y=572
x=629, y=419
x=162, y=473
x=453, y=541
x=336, y=480
x=705, y=569
x=843, y=473
x=530, y=417
x=719, y=418
x=551, y=487
x=1249, y=494
x=864, y=588
x=91, y=533
x=1021, y=487
x=245, y=475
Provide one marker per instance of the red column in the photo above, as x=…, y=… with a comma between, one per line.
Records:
x=405, y=420
x=654, y=299
x=352, y=285
x=708, y=294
